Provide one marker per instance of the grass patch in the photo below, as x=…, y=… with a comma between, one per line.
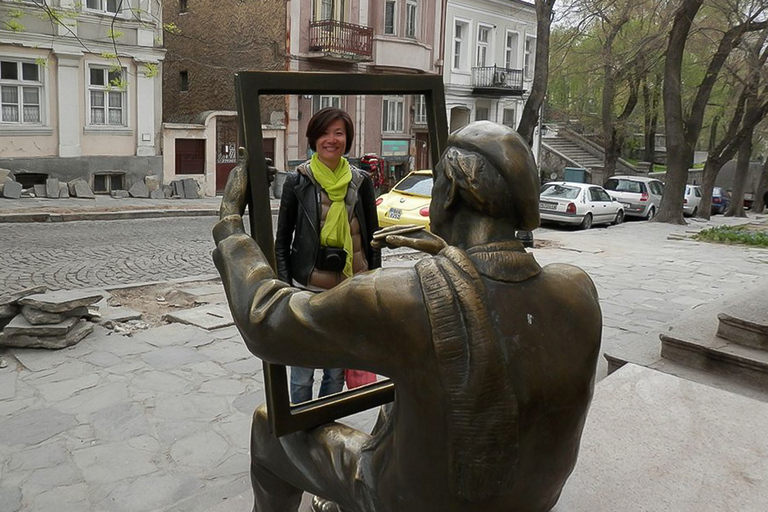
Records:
x=734, y=235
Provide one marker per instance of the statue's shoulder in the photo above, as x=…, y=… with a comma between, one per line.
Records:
x=574, y=278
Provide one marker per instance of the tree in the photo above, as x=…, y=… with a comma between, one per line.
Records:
x=530, y=117
x=683, y=131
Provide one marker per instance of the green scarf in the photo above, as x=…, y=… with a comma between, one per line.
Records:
x=335, y=232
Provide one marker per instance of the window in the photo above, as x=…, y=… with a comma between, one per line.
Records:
x=420, y=110
x=510, y=56
x=106, y=183
x=106, y=96
x=410, y=18
x=481, y=114
x=184, y=81
x=320, y=102
x=21, y=91
x=183, y=6
x=389, y=17
x=530, y=56
x=190, y=156
x=326, y=9
x=112, y=6
x=459, y=32
x=509, y=118
x=392, y=114
x=483, y=36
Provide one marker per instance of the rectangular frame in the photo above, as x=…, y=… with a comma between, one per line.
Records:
x=249, y=85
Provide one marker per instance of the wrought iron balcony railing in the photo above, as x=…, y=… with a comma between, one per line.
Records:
x=338, y=38
x=494, y=77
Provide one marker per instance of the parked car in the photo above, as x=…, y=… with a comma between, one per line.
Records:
x=579, y=204
x=721, y=200
x=640, y=195
x=407, y=202
x=691, y=200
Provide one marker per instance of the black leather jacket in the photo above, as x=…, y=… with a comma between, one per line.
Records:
x=298, y=225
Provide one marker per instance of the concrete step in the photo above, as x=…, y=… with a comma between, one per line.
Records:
x=746, y=322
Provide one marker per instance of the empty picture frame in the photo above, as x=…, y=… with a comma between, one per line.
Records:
x=285, y=418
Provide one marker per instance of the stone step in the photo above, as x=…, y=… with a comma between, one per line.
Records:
x=746, y=322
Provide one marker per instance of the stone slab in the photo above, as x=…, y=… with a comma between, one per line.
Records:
x=656, y=442
x=12, y=189
x=40, y=191
x=121, y=314
x=37, y=316
x=80, y=188
x=190, y=188
x=52, y=187
x=63, y=190
x=12, y=297
x=214, y=316
x=178, y=188
x=20, y=326
x=120, y=194
x=152, y=183
x=61, y=300
x=82, y=329
x=157, y=194
x=139, y=190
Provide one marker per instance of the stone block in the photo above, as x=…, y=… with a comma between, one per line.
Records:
x=20, y=326
x=81, y=329
x=52, y=187
x=139, y=190
x=178, y=188
x=40, y=191
x=80, y=188
x=157, y=194
x=209, y=317
x=12, y=297
x=63, y=190
x=61, y=300
x=121, y=314
x=167, y=191
x=11, y=189
x=5, y=173
x=39, y=317
x=190, y=188
x=152, y=182
x=120, y=194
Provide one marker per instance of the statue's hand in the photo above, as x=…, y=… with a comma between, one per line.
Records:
x=412, y=236
x=234, y=200
x=271, y=170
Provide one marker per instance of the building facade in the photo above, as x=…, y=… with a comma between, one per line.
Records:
x=81, y=95
x=367, y=36
x=490, y=50
x=207, y=43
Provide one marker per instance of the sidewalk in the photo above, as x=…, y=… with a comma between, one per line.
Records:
x=107, y=208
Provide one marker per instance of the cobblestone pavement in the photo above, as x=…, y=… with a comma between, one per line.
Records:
x=104, y=253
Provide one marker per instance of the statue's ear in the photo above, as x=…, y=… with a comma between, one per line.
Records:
x=464, y=173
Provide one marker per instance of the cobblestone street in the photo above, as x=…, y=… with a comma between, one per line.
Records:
x=104, y=253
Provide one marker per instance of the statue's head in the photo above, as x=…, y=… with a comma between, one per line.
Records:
x=487, y=168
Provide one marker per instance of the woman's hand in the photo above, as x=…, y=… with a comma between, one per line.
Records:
x=412, y=236
x=234, y=200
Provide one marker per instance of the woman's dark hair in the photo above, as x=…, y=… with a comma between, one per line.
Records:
x=320, y=121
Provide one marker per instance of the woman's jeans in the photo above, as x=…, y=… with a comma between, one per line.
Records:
x=303, y=378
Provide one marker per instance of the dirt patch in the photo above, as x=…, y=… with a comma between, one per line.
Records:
x=154, y=301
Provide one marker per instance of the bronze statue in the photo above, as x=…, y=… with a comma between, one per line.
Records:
x=493, y=357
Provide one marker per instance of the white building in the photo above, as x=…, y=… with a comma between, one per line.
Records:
x=81, y=97
x=490, y=47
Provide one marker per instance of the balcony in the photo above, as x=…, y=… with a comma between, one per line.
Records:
x=496, y=81
x=341, y=41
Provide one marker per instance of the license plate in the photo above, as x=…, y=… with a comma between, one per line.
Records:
x=547, y=206
x=394, y=213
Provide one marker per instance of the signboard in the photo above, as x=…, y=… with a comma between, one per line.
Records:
x=395, y=147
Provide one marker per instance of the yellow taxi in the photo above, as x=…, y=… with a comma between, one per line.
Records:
x=407, y=202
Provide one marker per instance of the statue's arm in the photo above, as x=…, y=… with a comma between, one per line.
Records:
x=373, y=321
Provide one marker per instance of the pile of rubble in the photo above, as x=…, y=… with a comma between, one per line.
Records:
x=36, y=318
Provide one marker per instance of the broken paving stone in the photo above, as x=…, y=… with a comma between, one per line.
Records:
x=40, y=191
x=178, y=188
x=190, y=188
x=20, y=326
x=119, y=314
x=12, y=297
x=157, y=194
x=152, y=182
x=139, y=190
x=120, y=194
x=12, y=189
x=80, y=188
x=52, y=187
x=61, y=301
x=63, y=190
x=210, y=317
x=37, y=316
x=80, y=331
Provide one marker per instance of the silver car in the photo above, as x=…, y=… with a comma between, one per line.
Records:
x=582, y=204
x=640, y=195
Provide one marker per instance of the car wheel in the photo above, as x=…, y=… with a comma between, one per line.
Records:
x=587, y=222
x=619, y=218
x=651, y=213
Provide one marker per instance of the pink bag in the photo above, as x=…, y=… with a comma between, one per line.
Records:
x=357, y=378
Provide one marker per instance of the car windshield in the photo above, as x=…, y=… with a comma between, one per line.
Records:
x=624, y=185
x=563, y=191
x=418, y=184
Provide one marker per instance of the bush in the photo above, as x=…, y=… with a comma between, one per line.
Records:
x=734, y=235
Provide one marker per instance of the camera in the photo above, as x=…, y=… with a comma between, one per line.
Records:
x=332, y=259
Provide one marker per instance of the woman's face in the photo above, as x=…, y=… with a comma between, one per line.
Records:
x=331, y=144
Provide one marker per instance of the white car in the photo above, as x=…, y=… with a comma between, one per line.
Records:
x=691, y=200
x=581, y=204
x=640, y=195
